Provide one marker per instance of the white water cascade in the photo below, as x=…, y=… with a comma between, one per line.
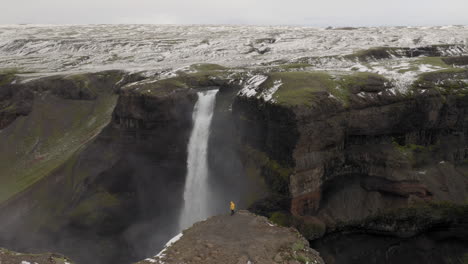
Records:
x=196, y=193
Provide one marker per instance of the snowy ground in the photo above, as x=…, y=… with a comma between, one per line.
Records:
x=143, y=47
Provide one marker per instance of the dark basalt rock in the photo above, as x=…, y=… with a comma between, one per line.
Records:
x=422, y=234
x=379, y=153
x=380, y=53
x=15, y=101
x=459, y=60
x=16, y=98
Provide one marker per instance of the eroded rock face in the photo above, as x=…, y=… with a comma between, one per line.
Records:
x=390, y=150
x=14, y=101
x=367, y=144
x=345, y=156
x=370, y=148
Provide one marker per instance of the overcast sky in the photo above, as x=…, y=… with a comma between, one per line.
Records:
x=264, y=12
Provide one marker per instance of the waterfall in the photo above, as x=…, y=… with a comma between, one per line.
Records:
x=196, y=193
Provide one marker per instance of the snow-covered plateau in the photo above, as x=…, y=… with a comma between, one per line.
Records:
x=71, y=48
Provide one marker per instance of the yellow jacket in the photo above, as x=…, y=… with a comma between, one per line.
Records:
x=233, y=205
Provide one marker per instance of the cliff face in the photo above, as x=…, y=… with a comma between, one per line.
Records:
x=380, y=155
x=118, y=165
x=338, y=148
x=378, y=149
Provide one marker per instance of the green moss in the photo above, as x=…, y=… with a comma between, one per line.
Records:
x=465, y=258
x=377, y=52
x=298, y=246
x=279, y=179
x=417, y=155
x=302, y=258
x=92, y=210
x=276, y=175
x=7, y=76
x=281, y=218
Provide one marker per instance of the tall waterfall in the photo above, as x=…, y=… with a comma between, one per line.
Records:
x=197, y=194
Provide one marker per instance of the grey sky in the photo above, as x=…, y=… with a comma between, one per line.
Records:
x=291, y=12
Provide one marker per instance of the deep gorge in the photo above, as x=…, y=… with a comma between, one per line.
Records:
x=380, y=170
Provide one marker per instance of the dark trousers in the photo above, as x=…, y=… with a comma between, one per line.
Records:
x=232, y=212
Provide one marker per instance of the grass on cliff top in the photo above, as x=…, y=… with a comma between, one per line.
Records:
x=451, y=80
x=7, y=76
x=376, y=52
x=443, y=72
x=432, y=61
x=207, y=67
x=302, y=88
x=212, y=75
x=299, y=87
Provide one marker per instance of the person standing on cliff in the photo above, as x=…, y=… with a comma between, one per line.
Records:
x=233, y=207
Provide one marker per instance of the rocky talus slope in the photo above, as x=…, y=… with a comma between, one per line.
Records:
x=10, y=257
x=239, y=239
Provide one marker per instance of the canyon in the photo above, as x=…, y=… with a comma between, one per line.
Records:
x=364, y=153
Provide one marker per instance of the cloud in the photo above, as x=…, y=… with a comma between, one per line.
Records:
x=292, y=12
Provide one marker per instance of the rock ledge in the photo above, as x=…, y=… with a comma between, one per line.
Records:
x=239, y=239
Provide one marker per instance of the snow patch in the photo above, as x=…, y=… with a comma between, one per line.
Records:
x=428, y=68
x=168, y=244
x=267, y=94
x=250, y=89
